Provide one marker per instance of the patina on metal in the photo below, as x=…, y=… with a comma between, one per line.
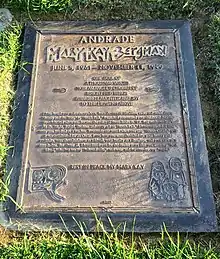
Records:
x=108, y=120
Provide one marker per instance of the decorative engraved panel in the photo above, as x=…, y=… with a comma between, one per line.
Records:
x=107, y=108
x=47, y=179
x=108, y=119
x=168, y=186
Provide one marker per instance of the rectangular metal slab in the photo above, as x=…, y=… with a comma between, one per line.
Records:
x=108, y=120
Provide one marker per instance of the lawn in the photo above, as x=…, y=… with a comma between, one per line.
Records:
x=204, y=16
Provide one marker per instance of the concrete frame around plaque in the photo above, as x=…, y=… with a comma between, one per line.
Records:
x=49, y=191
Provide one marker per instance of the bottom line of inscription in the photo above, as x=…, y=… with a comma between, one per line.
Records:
x=67, y=150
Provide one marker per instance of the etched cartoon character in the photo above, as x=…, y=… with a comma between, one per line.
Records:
x=177, y=175
x=170, y=189
x=49, y=179
x=157, y=178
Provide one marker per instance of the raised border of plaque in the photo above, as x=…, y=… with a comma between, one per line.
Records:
x=200, y=218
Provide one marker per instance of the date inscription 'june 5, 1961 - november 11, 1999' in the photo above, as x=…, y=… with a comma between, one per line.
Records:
x=108, y=120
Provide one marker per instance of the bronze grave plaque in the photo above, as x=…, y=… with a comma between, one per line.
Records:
x=108, y=120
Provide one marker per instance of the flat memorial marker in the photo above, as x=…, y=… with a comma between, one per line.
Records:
x=108, y=119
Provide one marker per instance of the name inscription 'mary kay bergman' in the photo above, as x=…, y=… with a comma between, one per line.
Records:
x=106, y=53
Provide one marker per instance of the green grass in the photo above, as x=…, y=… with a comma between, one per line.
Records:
x=114, y=9
x=205, y=19
x=9, y=55
x=209, y=79
x=104, y=245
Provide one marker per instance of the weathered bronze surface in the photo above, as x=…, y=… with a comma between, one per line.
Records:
x=113, y=124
